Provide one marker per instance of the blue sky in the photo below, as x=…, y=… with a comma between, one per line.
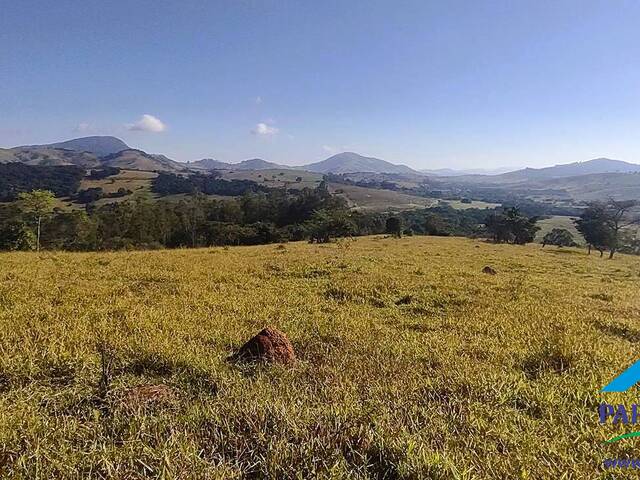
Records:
x=431, y=84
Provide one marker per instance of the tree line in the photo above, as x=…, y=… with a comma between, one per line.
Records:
x=196, y=220
x=276, y=215
x=16, y=178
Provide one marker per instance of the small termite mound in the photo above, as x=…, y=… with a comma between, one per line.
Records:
x=489, y=270
x=268, y=346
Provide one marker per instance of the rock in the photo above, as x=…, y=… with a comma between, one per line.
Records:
x=268, y=346
x=488, y=270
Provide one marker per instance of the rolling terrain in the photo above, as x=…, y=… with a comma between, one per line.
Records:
x=568, y=185
x=98, y=145
x=581, y=181
x=412, y=363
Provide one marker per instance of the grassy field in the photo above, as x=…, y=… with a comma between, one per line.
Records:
x=379, y=200
x=459, y=205
x=411, y=362
x=558, y=221
x=127, y=179
x=276, y=178
x=137, y=181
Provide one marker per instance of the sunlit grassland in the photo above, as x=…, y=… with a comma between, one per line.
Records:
x=460, y=205
x=412, y=363
x=375, y=199
x=558, y=221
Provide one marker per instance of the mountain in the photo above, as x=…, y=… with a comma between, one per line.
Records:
x=450, y=172
x=598, y=165
x=138, y=160
x=257, y=164
x=576, y=169
x=350, y=162
x=208, y=164
x=90, y=152
x=252, y=164
x=597, y=186
x=48, y=157
x=98, y=145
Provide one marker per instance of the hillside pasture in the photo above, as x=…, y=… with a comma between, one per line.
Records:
x=127, y=179
x=276, y=178
x=559, y=221
x=412, y=363
x=460, y=205
x=379, y=200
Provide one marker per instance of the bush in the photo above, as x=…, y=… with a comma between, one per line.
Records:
x=559, y=237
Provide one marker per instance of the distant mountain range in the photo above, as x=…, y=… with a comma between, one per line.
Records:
x=594, y=177
x=98, y=145
x=90, y=152
x=595, y=166
x=450, y=172
x=347, y=162
x=252, y=164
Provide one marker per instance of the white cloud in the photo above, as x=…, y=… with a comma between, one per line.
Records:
x=83, y=127
x=264, y=129
x=258, y=100
x=147, y=123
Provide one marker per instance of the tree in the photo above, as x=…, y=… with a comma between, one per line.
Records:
x=326, y=224
x=602, y=224
x=15, y=235
x=497, y=227
x=593, y=224
x=511, y=226
x=436, y=225
x=620, y=218
x=393, y=226
x=559, y=237
x=39, y=204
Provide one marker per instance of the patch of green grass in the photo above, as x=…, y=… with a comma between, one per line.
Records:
x=558, y=221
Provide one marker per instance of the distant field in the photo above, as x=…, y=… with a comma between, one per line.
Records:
x=459, y=205
x=379, y=200
x=137, y=181
x=276, y=178
x=412, y=363
x=549, y=224
x=128, y=179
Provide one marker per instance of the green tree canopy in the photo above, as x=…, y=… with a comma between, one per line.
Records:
x=37, y=204
x=559, y=237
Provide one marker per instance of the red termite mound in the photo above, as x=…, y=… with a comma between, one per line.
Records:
x=268, y=346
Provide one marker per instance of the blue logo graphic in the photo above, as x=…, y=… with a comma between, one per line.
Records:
x=625, y=380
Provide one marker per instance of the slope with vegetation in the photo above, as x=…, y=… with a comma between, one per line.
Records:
x=18, y=177
x=98, y=145
x=412, y=363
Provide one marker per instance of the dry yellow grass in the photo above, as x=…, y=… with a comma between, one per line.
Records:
x=128, y=179
x=412, y=363
x=373, y=199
